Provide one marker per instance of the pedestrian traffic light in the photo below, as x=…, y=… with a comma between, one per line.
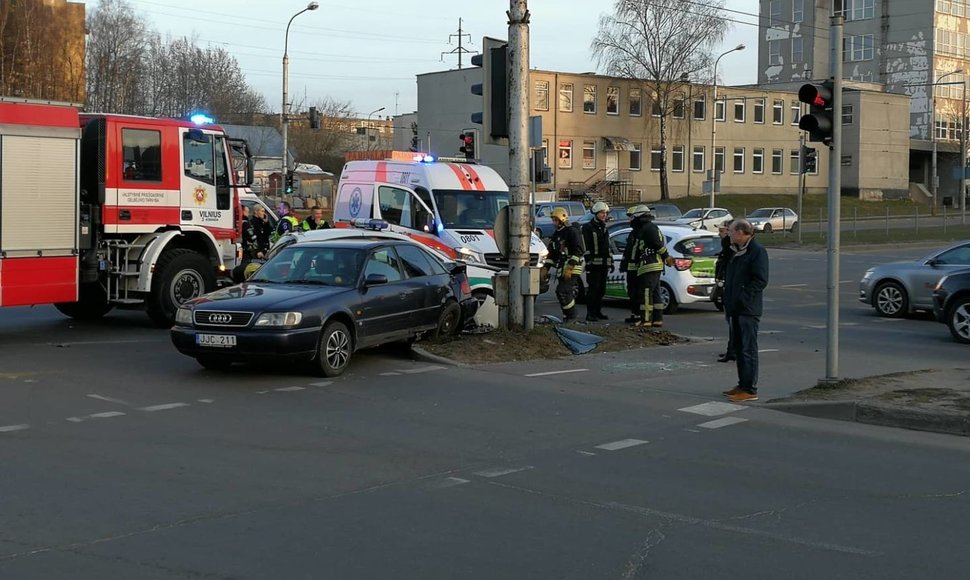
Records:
x=818, y=121
x=494, y=89
x=289, y=182
x=468, y=145
x=809, y=156
x=314, y=118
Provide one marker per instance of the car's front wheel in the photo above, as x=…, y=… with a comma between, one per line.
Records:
x=336, y=347
x=890, y=300
x=767, y=229
x=958, y=319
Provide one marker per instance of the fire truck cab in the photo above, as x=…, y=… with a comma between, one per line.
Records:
x=98, y=211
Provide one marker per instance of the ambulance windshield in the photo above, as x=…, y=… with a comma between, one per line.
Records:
x=469, y=209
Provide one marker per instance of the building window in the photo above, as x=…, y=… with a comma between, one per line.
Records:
x=589, y=99
x=589, y=155
x=759, y=110
x=859, y=9
x=774, y=12
x=777, y=160
x=719, y=107
x=796, y=112
x=700, y=108
x=677, y=159
x=857, y=48
x=797, y=11
x=698, y=165
x=679, y=107
x=565, y=154
x=542, y=95
x=612, y=100
x=656, y=157
x=952, y=7
x=739, y=159
x=566, y=97
x=635, y=157
x=797, y=50
x=778, y=111
x=739, y=111
x=847, y=116
x=719, y=159
x=655, y=106
x=758, y=160
x=635, y=104
x=774, y=52
x=793, y=162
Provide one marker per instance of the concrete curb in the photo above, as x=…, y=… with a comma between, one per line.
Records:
x=870, y=413
x=426, y=356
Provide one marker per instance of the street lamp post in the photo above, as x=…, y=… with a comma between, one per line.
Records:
x=936, y=178
x=368, y=128
x=713, y=175
x=285, y=114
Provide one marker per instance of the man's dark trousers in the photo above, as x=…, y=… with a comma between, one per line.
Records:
x=596, y=278
x=635, y=294
x=744, y=332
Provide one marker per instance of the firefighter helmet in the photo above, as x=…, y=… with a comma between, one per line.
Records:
x=599, y=206
x=638, y=210
x=560, y=214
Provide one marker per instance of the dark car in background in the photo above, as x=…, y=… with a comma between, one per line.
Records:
x=320, y=301
x=665, y=211
x=951, y=304
x=543, y=217
x=617, y=214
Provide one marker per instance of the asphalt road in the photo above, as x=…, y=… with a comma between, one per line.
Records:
x=123, y=459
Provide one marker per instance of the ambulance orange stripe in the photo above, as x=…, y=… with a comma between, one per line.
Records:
x=476, y=180
x=465, y=184
x=381, y=173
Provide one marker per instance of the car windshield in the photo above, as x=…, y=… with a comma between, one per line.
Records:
x=469, y=209
x=303, y=264
x=702, y=247
x=694, y=213
x=760, y=213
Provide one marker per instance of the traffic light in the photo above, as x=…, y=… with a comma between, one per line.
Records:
x=314, y=118
x=494, y=89
x=468, y=145
x=809, y=156
x=288, y=188
x=818, y=121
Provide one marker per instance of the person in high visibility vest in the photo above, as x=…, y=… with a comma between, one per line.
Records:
x=287, y=223
x=566, y=256
x=651, y=256
x=599, y=260
x=315, y=220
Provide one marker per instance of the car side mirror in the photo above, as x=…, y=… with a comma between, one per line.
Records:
x=934, y=262
x=375, y=280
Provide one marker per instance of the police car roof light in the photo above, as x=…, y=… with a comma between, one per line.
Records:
x=370, y=224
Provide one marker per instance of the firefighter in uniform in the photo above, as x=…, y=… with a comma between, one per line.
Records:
x=628, y=265
x=287, y=224
x=651, y=253
x=566, y=256
x=599, y=260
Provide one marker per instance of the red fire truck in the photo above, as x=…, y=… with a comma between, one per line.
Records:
x=99, y=210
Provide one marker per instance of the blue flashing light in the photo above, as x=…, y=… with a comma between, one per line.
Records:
x=202, y=119
x=370, y=224
x=424, y=158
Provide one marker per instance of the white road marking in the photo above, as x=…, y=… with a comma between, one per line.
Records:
x=557, y=372
x=96, y=342
x=164, y=407
x=108, y=399
x=206, y=400
x=623, y=444
x=769, y=350
x=500, y=471
x=840, y=281
x=390, y=374
x=815, y=326
x=322, y=384
x=771, y=332
x=421, y=370
x=10, y=428
x=712, y=409
x=585, y=452
x=106, y=414
x=290, y=389
x=887, y=320
x=808, y=305
x=692, y=430
x=722, y=422
x=793, y=286
x=450, y=482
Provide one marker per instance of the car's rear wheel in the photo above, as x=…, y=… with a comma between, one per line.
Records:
x=958, y=319
x=890, y=300
x=335, y=350
x=448, y=320
x=667, y=297
x=767, y=228
x=794, y=228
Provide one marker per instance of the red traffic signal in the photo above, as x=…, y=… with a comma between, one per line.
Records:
x=818, y=122
x=467, y=145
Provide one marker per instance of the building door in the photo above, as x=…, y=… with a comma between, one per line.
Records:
x=612, y=166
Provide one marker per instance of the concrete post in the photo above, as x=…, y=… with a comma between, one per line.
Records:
x=520, y=233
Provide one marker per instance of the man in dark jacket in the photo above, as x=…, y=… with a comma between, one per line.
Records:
x=599, y=260
x=746, y=280
x=566, y=256
x=717, y=296
x=629, y=263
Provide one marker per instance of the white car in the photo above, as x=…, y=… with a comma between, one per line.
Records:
x=705, y=218
x=479, y=275
x=689, y=281
x=773, y=219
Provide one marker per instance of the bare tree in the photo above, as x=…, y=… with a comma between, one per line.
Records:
x=41, y=50
x=660, y=43
x=325, y=146
x=118, y=39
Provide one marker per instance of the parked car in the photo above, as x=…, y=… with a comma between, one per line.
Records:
x=543, y=225
x=898, y=288
x=665, y=211
x=705, y=218
x=617, y=214
x=689, y=281
x=951, y=304
x=251, y=200
x=320, y=301
x=770, y=219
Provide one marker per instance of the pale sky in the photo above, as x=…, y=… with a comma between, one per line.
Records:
x=369, y=51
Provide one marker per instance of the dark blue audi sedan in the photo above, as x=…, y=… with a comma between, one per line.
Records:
x=321, y=301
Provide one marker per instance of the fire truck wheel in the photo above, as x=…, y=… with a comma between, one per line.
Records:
x=180, y=275
x=92, y=303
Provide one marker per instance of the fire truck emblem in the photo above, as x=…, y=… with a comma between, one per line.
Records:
x=199, y=195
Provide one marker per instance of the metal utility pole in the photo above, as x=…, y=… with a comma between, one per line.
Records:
x=713, y=175
x=835, y=195
x=520, y=233
x=963, y=157
x=801, y=188
x=285, y=114
x=461, y=49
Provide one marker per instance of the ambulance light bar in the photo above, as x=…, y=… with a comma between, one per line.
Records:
x=370, y=224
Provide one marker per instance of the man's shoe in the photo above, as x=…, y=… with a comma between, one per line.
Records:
x=743, y=397
x=658, y=323
x=591, y=318
x=644, y=324
x=725, y=357
x=631, y=319
x=733, y=391
x=602, y=316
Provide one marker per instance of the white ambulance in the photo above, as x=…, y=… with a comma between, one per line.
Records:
x=448, y=206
